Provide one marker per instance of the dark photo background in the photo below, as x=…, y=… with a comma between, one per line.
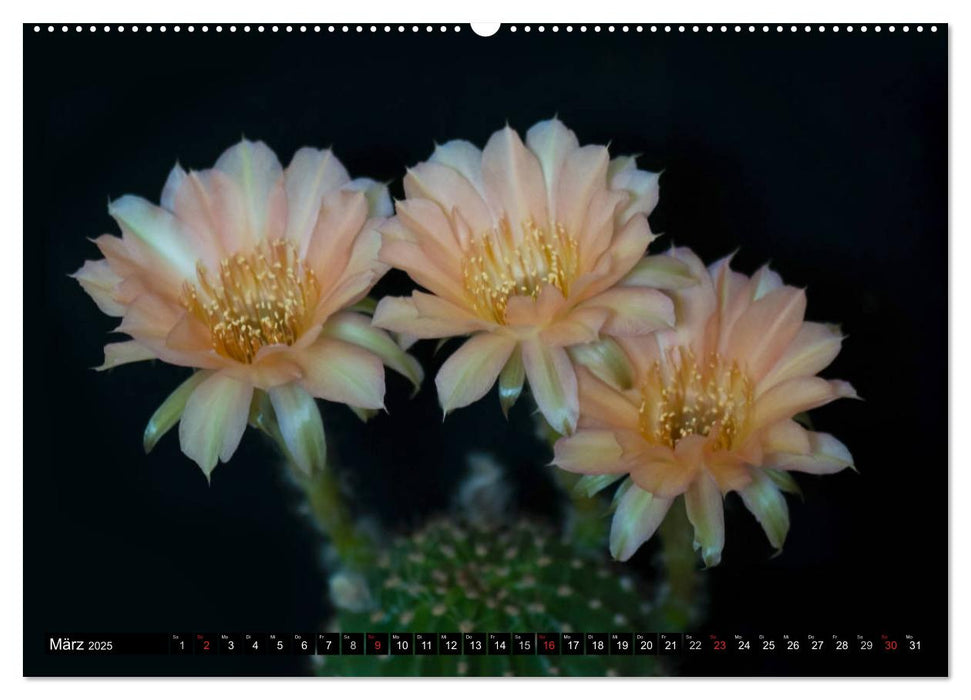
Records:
x=825, y=154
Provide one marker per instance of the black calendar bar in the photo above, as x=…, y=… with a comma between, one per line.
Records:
x=708, y=645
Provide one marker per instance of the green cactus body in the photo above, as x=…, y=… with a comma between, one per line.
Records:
x=451, y=577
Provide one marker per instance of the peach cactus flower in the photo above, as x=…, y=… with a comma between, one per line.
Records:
x=522, y=247
x=249, y=273
x=711, y=411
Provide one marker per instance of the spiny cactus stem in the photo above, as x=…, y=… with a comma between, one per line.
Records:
x=681, y=565
x=330, y=512
x=323, y=494
x=586, y=519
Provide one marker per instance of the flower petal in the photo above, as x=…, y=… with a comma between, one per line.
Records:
x=766, y=502
x=472, y=370
x=606, y=360
x=786, y=436
x=357, y=329
x=169, y=413
x=513, y=179
x=463, y=156
x=300, y=425
x=553, y=382
x=117, y=354
x=401, y=315
x=661, y=272
x=214, y=419
x=511, y=380
x=638, y=516
x=642, y=185
x=703, y=502
x=589, y=452
x=376, y=194
x=634, y=310
x=603, y=404
x=591, y=484
x=584, y=174
x=815, y=346
x=661, y=470
x=339, y=222
x=311, y=174
x=552, y=142
x=254, y=167
x=827, y=455
x=162, y=240
x=98, y=279
x=796, y=395
x=344, y=373
x=451, y=190
x=766, y=328
x=582, y=326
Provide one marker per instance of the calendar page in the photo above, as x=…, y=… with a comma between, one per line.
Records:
x=479, y=351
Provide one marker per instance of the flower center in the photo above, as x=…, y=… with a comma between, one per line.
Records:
x=265, y=297
x=500, y=264
x=711, y=398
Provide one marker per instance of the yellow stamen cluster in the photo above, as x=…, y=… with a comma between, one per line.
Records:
x=264, y=297
x=685, y=397
x=501, y=264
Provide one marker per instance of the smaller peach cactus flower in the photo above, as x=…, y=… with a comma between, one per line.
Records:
x=523, y=247
x=711, y=411
x=250, y=273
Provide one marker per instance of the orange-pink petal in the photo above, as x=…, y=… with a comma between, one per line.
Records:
x=470, y=371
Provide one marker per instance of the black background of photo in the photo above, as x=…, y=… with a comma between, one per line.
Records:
x=823, y=153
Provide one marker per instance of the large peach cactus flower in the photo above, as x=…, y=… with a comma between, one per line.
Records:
x=248, y=272
x=522, y=247
x=711, y=410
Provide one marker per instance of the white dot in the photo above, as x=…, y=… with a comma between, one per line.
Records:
x=906, y=28
x=709, y=28
x=876, y=29
x=920, y=29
